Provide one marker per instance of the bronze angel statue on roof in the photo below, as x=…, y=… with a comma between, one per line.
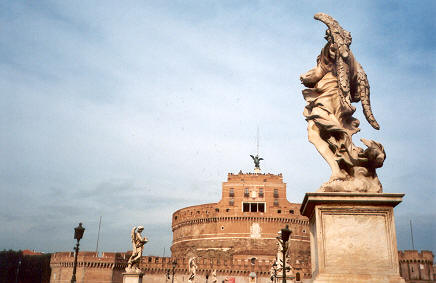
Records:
x=256, y=160
x=333, y=84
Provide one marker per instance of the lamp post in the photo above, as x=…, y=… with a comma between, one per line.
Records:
x=285, y=237
x=78, y=234
x=18, y=271
x=174, y=269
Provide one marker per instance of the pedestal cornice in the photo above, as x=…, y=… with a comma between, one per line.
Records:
x=379, y=199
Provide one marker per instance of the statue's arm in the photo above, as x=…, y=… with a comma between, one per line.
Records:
x=143, y=240
x=356, y=83
x=314, y=75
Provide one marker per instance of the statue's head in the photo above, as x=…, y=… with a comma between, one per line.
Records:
x=140, y=229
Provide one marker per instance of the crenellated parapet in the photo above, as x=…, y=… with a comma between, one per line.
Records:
x=416, y=266
x=267, y=177
x=416, y=256
x=87, y=259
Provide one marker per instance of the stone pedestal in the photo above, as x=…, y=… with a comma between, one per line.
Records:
x=352, y=237
x=132, y=277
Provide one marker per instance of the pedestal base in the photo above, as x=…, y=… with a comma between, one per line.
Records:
x=132, y=277
x=352, y=237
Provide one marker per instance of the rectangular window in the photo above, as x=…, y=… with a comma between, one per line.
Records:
x=276, y=202
x=253, y=207
x=231, y=193
x=276, y=193
x=231, y=202
x=246, y=194
x=261, y=193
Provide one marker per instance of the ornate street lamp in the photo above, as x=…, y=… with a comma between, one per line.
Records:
x=174, y=269
x=285, y=237
x=78, y=234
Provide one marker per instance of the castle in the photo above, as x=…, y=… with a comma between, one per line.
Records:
x=243, y=226
x=235, y=236
x=417, y=267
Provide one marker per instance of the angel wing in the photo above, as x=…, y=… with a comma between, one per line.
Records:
x=252, y=156
x=363, y=95
x=260, y=159
x=342, y=41
x=133, y=236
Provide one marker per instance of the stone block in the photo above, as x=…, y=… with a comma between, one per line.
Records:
x=132, y=277
x=353, y=237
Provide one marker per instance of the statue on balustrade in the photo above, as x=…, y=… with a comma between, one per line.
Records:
x=138, y=243
x=214, y=278
x=192, y=266
x=332, y=85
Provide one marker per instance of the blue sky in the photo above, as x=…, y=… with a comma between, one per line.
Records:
x=134, y=109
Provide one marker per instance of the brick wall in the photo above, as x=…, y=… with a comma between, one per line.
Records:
x=106, y=268
x=416, y=267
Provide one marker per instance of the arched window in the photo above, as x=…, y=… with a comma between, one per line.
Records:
x=297, y=276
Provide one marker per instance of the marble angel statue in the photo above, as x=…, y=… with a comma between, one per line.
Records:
x=332, y=85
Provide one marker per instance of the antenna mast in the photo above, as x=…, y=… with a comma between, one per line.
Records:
x=411, y=233
x=258, y=140
x=98, y=236
x=256, y=158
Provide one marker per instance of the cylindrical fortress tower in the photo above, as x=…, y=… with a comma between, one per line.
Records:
x=244, y=224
